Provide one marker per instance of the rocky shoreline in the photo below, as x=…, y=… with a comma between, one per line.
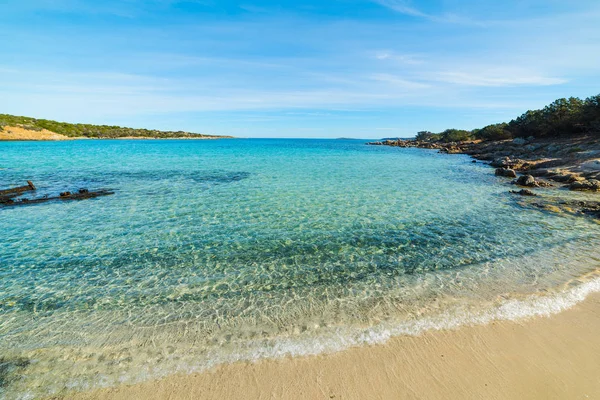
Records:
x=566, y=164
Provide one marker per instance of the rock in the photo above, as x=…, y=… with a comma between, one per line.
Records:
x=507, y=172
x=524, y=192
x=541, y=183
x=591, y=184
x=538, y=172
x=519, y=141
x=526, y=180
x=501, y=162
x=591, y=165
x=565, y=178
x=474, y=161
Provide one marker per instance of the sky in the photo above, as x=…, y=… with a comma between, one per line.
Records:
x=258, y=68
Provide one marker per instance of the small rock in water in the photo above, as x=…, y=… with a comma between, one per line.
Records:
x=509, y=173
x=526, y=180
x=524, y=192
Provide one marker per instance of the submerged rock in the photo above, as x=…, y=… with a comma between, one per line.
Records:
x=524, y=192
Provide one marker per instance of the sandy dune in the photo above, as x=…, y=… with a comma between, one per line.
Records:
x=19, y=133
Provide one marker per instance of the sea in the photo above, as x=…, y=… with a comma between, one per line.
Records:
x=218, y=251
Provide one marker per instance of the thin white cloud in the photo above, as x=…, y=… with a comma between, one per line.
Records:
x=404, y=7
x=497, y=78
x=408, y=59
x=399, y=82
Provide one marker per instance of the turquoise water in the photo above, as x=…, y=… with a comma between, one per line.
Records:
x=217, y=251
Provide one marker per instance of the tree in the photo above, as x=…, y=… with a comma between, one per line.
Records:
x=425, y=136
x=494, y=132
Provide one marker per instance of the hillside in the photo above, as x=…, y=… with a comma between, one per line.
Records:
x=26, y=128
x=563, y=117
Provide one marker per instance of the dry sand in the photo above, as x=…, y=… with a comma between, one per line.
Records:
x=19, y=133
x=542, y=358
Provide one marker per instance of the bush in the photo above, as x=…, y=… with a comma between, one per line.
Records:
x=455, y=135
x=494, y=132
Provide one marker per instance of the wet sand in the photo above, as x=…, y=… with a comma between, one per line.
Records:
x=555, y=357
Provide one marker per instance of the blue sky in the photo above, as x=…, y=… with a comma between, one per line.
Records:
x=352, y=68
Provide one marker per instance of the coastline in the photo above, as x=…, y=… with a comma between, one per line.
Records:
x=561, y=166
x=20, y=134
x=536, y=358
x=119, y=138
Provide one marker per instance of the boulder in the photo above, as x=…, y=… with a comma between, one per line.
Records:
x=501, y=162
x=541, y=183
x=519, y=141
x=507, y=172
x=538, y=172
x=565, y=178
x=591, y=184
x=526, y=180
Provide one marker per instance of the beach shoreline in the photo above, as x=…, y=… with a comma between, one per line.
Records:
x=535, y=358
x=22, y=134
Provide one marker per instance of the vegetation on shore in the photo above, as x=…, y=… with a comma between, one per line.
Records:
x=571, y=116
x=93, y=131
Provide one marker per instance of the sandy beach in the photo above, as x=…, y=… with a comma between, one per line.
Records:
x=17, y=133
x=541, y=358
x=14, y=133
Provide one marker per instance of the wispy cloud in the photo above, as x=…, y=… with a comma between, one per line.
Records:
x=399, y=82
x=497, y=78
x=404, y=7
x=408, y=59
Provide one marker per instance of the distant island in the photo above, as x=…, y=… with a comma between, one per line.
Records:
x=26, y=128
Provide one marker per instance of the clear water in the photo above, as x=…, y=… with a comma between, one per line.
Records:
x=217, y=251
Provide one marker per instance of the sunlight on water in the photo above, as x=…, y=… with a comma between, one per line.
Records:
x=217, y=251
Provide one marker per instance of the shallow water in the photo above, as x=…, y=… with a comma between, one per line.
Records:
x=217, y=251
